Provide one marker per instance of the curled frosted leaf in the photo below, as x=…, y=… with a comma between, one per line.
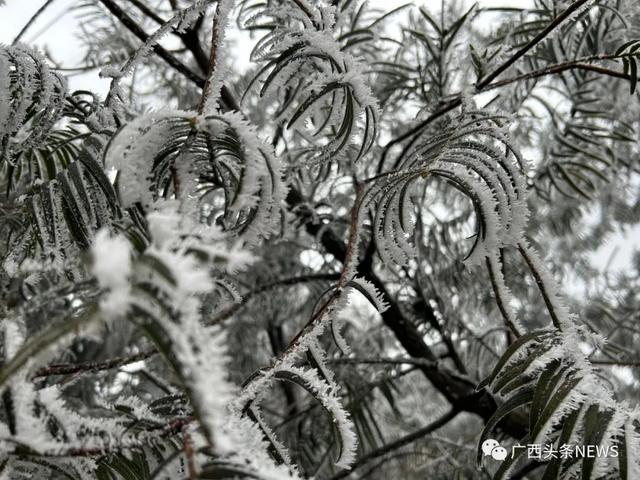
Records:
x=31, y=101
x=476, y=158
x=320, y=89
x=218, y=159
x=370, y=292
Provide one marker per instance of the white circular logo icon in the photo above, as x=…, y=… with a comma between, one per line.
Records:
x=492, y=448
x=499, y=453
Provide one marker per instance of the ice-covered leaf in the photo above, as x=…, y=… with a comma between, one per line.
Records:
x=31, y=101
x=217, y=159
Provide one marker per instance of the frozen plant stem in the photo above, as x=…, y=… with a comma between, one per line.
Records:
x=134, y=28
x=571, y=9
x=210, y=91
x=188, y=452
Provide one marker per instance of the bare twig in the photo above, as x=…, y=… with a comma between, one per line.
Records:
x=234, y=307
x=33, y=18
x=559, y=68
x=617, y=363
x=187, y=445
x=421, y=362
x=147, y=11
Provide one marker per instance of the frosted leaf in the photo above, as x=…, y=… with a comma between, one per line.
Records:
x=31, y=100
x=244, y=445
x=165, y=223
x=31, y=427
x=573, y=387
x=326, y=394
x=556, y=305
x=13, y=332
x=568, y=20
x=323, y=391
x=216, y=160
x=502, y=292
x=200, y=353
x=370, y=292
x=321, y=387
x=334, y=108
x=319, y=358
x=475, y=156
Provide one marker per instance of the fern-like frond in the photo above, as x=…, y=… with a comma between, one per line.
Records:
x=476, y=158
x=311, y=78
x=31, y=101
x=238, y=178
x=568, y=402
x=65, y=212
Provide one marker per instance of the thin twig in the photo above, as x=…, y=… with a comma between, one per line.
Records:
x=347, y=266
x=187, y=445
x=147, y=11
x=567, y=13
x=234, y=307
x=189, y=41
x=619, y=363
x=32, y=20
x=559, y=68
x=420, y=362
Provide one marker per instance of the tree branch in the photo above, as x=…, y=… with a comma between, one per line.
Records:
x=33, y=18
x=571, y=9
x=190, y=40
x=137, y=30
x=147, y=11
x=458, y=390
x=559, y=68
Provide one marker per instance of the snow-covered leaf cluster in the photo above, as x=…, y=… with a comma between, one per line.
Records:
x=218, y=158
x=317, y=87
x=31, y=101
